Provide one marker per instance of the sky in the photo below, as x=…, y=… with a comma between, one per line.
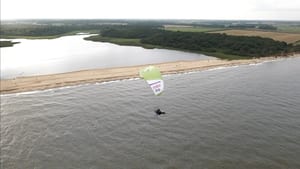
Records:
x=151, y=9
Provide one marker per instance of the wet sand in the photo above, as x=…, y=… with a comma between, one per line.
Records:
x=42, y=82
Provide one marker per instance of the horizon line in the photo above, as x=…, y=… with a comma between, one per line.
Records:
x=16, y=19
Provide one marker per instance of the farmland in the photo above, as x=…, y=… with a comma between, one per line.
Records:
x=279, y=36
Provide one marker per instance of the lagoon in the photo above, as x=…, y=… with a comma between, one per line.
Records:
x=73, y=53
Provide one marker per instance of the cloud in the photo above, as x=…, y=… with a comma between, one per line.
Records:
x=152, y=9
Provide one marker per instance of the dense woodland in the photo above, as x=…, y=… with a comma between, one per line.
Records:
x=205, y=42
x=210, y=42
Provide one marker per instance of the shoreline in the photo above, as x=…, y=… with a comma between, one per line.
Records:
x=43, y=82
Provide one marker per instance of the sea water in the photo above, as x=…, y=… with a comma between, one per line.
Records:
x=236, y=117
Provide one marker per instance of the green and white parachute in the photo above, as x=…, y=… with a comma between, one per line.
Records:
x=153, y=77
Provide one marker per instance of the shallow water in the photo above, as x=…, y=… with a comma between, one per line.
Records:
x=238, y=117
x=73, y=53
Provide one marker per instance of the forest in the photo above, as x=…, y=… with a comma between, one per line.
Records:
x=211, y=42
x=202, y=42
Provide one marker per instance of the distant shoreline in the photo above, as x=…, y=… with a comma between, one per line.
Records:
x=7, y=43
x=43, y=82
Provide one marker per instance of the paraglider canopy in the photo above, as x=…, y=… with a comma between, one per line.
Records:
x=153, y=77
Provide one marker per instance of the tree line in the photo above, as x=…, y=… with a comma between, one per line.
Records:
x=202, y=42
x=43, y=30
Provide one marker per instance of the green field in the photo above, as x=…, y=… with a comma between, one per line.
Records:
x=279, y=36
x=192, y=28
x=280, y=28
x=288, y=28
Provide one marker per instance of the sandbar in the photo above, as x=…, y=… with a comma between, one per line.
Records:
x=43, y=82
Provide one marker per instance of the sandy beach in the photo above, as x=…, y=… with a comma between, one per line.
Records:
x=42, y=82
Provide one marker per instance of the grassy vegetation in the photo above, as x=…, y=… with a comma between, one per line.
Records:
x=297, y=43
x=222, y=55
x=289, y=28
x=120, y=41
x=279, y=36
x=7, y=43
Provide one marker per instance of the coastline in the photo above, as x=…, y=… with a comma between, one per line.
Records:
x=43, y=82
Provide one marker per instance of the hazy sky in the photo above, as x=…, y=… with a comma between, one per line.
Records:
x=152, y=9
